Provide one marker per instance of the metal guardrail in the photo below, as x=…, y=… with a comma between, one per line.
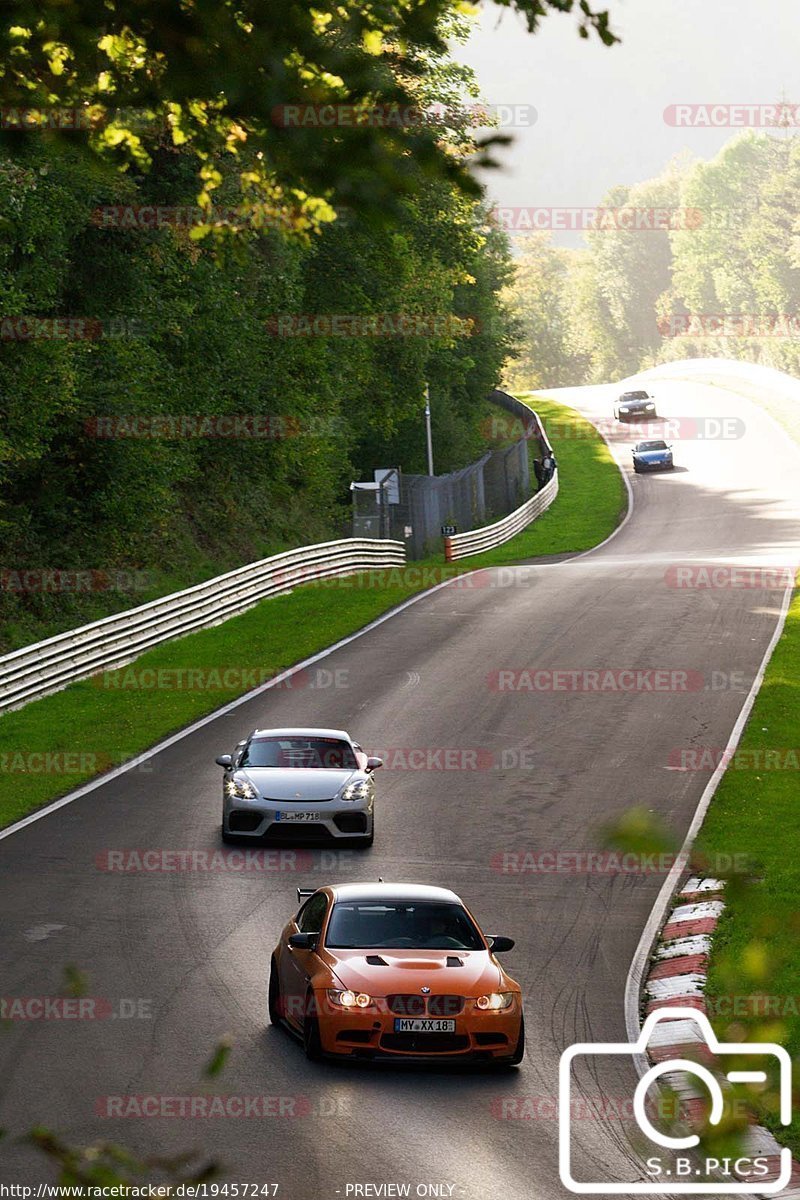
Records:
x=45, y=667
x=476, y=541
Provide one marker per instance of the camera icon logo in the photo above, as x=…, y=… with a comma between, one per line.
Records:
x=675, y=1179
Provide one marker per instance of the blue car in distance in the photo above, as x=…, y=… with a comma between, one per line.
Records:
x=652, y=456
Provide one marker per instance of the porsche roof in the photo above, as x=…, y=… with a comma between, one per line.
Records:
x=393, y=892
x=302, y=731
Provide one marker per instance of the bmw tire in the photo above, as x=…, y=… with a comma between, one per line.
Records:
x=519, y=1049
x=312, y=1043
x=274, y=1002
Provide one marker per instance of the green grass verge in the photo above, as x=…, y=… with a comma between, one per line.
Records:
x=754, y=978
x=753, y=990
x=99, y=723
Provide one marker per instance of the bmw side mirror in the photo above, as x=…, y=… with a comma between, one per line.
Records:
x=499, y=945
x=303, y=941
x=374, y=763
x=224, y=760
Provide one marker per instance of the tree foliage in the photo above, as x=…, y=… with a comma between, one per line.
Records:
x=180, y=332
x=721, y=278
x=215, y=76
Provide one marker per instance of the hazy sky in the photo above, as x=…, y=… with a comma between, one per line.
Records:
x=600, y=110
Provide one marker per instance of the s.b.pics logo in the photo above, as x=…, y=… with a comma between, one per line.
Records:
x=685, y=1048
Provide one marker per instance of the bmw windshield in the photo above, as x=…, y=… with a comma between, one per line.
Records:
x=401, y=926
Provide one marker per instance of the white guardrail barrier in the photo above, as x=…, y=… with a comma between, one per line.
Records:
x=48, y=666
x=475, y=541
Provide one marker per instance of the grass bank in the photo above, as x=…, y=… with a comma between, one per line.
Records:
x=754, y=979
x=753, y=990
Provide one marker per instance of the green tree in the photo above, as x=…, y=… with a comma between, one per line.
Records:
x=216, y=77
x=539, y=300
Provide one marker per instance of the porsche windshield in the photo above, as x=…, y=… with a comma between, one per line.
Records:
x=300, y=752
x=401, y=926
x=643, y=447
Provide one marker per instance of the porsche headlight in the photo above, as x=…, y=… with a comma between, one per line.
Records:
x=358, y=790
x=241, y=789
x=348, y=999
x=495, y=1001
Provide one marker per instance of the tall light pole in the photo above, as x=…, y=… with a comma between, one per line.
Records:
x=428, y=427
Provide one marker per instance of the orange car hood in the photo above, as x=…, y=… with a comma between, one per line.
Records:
x=408, y=971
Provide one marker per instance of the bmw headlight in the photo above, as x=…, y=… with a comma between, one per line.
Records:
x=649, y=405
x=241, y=789
x=358, y=790
x=348, y=999
x=495, y=1001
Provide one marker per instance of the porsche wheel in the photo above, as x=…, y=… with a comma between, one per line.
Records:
x=311, y=1039
x=274, y=1002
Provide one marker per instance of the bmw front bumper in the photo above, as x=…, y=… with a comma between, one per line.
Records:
x=371, y=1034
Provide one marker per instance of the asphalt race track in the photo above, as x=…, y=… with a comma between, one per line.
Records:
x=196, y=944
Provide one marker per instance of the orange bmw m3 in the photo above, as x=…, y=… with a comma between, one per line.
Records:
x=394, y=971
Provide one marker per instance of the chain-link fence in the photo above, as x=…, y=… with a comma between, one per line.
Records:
x=416, y=508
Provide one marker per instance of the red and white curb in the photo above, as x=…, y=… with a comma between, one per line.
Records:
x=677, y=979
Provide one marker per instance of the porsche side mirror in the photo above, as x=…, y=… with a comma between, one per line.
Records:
x=303, y=941
x=374, y=763
x=224, y=760
x=499, y=945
